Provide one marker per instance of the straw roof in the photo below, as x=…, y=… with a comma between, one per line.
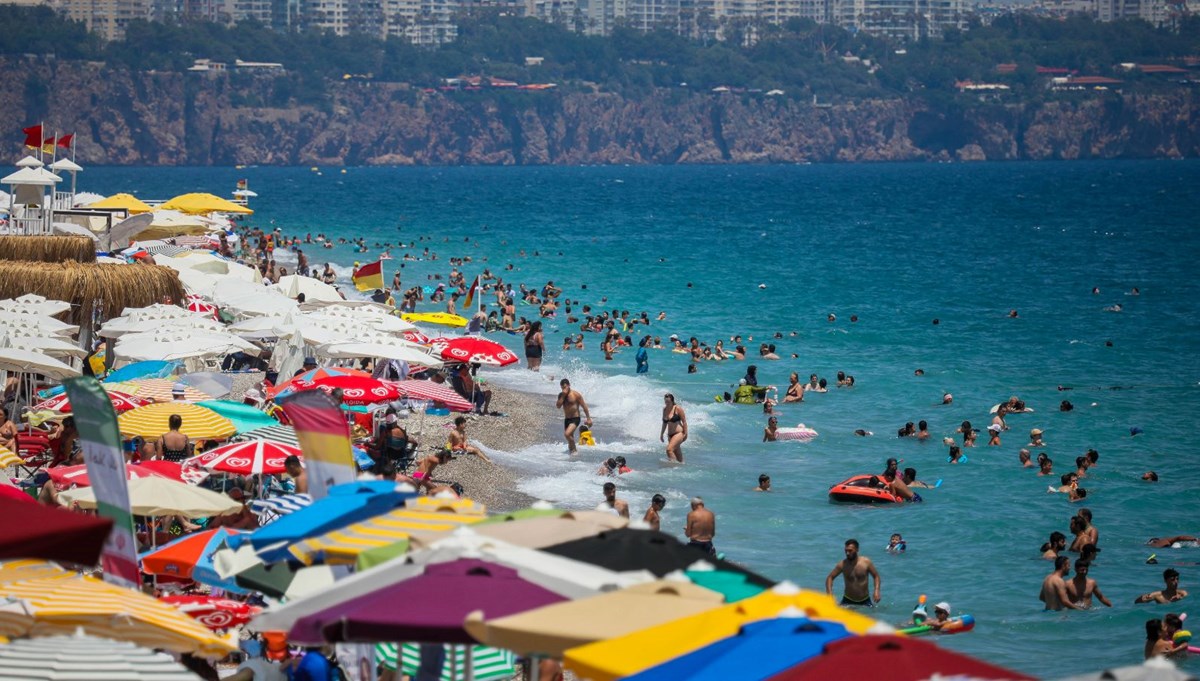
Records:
x=48, y=249
x=111, y=288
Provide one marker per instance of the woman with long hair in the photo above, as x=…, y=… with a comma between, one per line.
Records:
x=674, y=428
x=535, y=346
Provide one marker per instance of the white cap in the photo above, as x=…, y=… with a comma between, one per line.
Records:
x=995, y=427
x=943, y=606
x=742, y=381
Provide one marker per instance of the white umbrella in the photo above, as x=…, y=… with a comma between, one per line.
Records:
x=27, y=325
x=1154, y=669
x=48, y=345
x=250, y=301
x=208, y=263
x=399, y=350
x=26, y=314
x=16, y=360
x=70, y=658
x=379, y=322
x=214, y=383
x=197, y=283
x=289, y=353
x=88, y=198
x=155, y=496
x=169, y=317
x=258, y=327
x=313, y=289
x=180, y=344
x=72, y=229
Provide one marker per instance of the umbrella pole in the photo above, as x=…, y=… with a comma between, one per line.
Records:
x=535, y=669
x=470, y=671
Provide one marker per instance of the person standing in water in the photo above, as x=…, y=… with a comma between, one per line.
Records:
x=855, y=570
x=571, y=401
x=535, y=346
x=674, y=428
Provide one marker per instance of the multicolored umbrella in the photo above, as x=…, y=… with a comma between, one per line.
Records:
x=438, y=393
x=342, y=546
x=313, y=375
x=356, y=390
x=218, y=614
x=474, y=350
x=153, y=420
x=9, y=458
x=180, y=557
x=121, y=402
x=246, y=458
x=894, y=658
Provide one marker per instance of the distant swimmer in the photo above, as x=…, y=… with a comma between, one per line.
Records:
x=1056, y=545
x=897, y=544
x=764, y=483
x=1150, y=476
x=1054, y=586
x=611, y=503
x=1162, y=543
x=795, y=389
x=947, y=398
x=1113, y=308
x=856, y=571
x=1169, y=594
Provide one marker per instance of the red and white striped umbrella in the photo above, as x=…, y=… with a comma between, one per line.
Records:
x=356, y=390
x=246, y=458
x=201, y=306
x=77, y=476
x=437, y=392
x=416, y=337
x=215, y=613
x=474, y=350
x=120, y=402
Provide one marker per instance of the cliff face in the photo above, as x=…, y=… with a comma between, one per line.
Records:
x=136, y=118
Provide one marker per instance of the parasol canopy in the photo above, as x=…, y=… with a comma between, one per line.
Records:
x=121, y=402
x=200, y=203
x=77, y=476
x=152, y=421
x=130, y=203
x=155, y=496
x=439, y=393
x=247, y=458
x=79, y=656
x=180, y=557
x=473, y=350
x=894, y=658
x=356, y=390
x=36, y=531
x=218, y=614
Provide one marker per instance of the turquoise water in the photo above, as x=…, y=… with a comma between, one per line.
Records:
x=896, y=245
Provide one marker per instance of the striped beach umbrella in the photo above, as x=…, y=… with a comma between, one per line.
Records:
x=488, y=663
x=416, y=337
x=158, y=390
x=343, y=545
x=62, y=605
x=246, y=458
x=80, y=656
x=8, y=458
x=201, y=306
x=284, y=435
x=356, y=390
x=153, y=420
x=314, y=375
x=121, y=402
x=270, y=509
x=439, y=393
x=474, y=350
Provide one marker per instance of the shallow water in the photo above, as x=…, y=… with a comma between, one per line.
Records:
x=896, y=245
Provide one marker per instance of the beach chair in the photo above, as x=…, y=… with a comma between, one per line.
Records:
x=35, y=450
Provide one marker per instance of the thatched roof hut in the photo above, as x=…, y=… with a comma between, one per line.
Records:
x=48, y=248
x=105, y=289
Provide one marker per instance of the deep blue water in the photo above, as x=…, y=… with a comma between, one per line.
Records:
x=896, y=245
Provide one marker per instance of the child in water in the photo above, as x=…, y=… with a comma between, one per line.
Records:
x=896, y=544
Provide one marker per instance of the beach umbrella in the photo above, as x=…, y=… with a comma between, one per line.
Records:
x=313, y=289
x=635, y=549
x=487, y=664
x=416, y=337
x=47, y=345
x=429, y=607
x=473, y=350
x=180, y=343
x=246, y=458
x=200, y=203
x=36, y=531
x=196, y=241
x=234, y=297
x=1153, y=669
x=285, y=435
x=17, y=361
x=155, y=496
x=439, y=393
x=734, y=586
x=312, y=375
x=396, y=350
x=218, y=614
x=8, y=458
x=758, y=651
x=356, y=390
x=179, y=558
x=343, y=545
x=156, y=389
x=271, y=508
x=129, y=202
x=200, y=306
x=439, y=318
x=8, y=491
x=63, y=604
x=77, y=476
x=152, y=421
x=345, y=504
x=893, y=658
x=31, y=303
x=212, y=383
x=625, y=655
x=121, y=402
x=79, y=657
x=259, y=327
x=157, y=368
x=540, y=532
x=552, y=629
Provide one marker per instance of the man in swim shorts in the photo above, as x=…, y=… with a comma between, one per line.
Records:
x=570, y=401
x=1082, y=588
x=855, y=571
x=457, y=442
x=701, y=527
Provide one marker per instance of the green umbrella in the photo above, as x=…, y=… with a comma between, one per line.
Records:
x=372, y=557
x=732, y=585
x=522, y=514
x=488, y=663
x=244, y=416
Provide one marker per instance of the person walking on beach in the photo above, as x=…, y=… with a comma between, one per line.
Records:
x=652, y=517
x=571, y=401
x=535, y=346
x=674, y=428
x=855, y=570
x=701, y=527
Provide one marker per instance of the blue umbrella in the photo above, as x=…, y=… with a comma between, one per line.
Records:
x=346, y=504
x=245, y=417
x=760, y=650
x=154, y=368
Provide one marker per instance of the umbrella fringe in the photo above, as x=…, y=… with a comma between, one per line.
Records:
x=48, y=248
x=88, y=286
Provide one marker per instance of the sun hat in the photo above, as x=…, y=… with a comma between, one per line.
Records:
x=995, y=427
x=943, y=606
x=1036, y=431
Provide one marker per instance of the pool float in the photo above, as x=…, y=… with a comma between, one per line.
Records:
x=800, y=432
x=863, y=489
x=955, y=625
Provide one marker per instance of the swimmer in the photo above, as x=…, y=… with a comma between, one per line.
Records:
x=764, y=483
x=863, y=433
x=769, y=433
x=910, y=479
x=1054, y=587
x=947, y=398
x=1046, y=464
x=1150, y=476
x=1035, y=438
x=1113, y=308
x=1171, y=541
x=1169, y=594
x=1057, y=543
x=919, y=372
x=1082, y=588
x=955, y=454
x=652, y=517
x=994, y=435
x=856, y=571
x=611, y=503
x=1023, y=457
x=896, y=544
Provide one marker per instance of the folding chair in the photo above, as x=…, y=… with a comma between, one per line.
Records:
x=35, y=451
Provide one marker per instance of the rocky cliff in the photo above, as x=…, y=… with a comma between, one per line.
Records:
x=124, y=117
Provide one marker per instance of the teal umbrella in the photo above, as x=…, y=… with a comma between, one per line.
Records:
x=244, y=416
x=734, y=586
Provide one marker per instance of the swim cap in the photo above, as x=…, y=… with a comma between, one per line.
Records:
x=742, y=382
x=944, y=606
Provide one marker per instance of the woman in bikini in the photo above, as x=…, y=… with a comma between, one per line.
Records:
x=534, y=346
x=795, y=391
x=174, y=445
x=674, y=428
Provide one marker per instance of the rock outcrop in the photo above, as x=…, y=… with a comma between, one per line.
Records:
x=137, y=118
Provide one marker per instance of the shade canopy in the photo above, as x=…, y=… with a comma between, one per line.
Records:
x=154, y=420
x=154, y=389
x=313, y=289
x=1154, y=669
x=247, y=458
x=156, y=496
x=130, y=203
x=342, y=546
x=439, y=393
x=77, y=476
x=537, y=533
x=894, y=658
x=15, y=360
x=473, y=350
x=202, y=204
x=431, y=607
x=218, y=614
x=397, y=350
x=180, y=557
x=36, y=531
x=79, y=656
x=121, y=402
x=550, y=630
x=439, y=318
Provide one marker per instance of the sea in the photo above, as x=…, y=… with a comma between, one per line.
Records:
x=769, y=253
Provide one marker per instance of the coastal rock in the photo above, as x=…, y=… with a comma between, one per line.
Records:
x=144, y=118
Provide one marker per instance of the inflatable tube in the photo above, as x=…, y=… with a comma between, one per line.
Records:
x=1195, y=650
x=800, y=432
x=955, y=625
x=996, y=409
x=961, y=459
x=860, y=490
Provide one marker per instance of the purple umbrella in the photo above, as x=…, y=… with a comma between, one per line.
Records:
x=429, y=608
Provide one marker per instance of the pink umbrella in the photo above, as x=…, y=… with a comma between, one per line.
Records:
x=436, y=392
x=474, y=350
x=66, y=476
x=120, y=402
x=246, y=458
x=215, y=613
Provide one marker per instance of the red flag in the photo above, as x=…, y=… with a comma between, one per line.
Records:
x=471, y=292
x=369, y=276
x=33, y=136
x=65, y=141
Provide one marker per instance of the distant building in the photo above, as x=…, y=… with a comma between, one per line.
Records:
x=901, y=19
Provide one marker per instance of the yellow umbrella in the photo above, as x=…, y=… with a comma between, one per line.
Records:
x=627, y=655
x=61, y=605
x=199, y=423
x=8, y=458
x=343, y=546
x=443, y=318
x=31, y=568
x=202, y=204
x=551, y=629
x=132, y=204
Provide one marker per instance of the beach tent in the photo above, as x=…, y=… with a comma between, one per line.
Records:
x=203, y=204
x=79, y=656
x=130, y=203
